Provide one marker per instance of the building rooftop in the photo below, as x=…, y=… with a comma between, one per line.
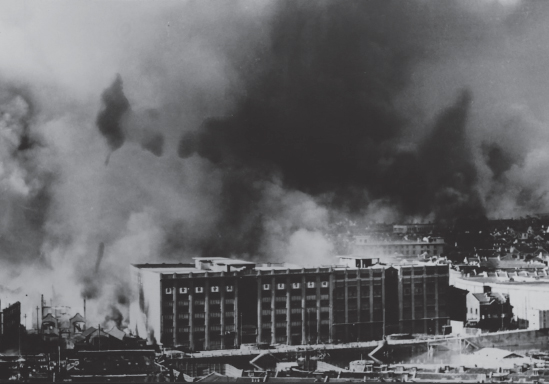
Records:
x=203, y=265
x=162, y=268
x=223, y=261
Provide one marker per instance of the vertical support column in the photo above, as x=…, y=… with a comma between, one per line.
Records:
x=358, y=296
x=437, y=315
x=288, y=310
x=191, y=312
x=331, y=288
x=372, y=304
x=273, y=309
x=207, y=313
x=383, y=304
x=426, y=322
x=174, y=298
x=318, y=309
x=303, y=309
x=346, y=308
x=413, y=292
x=222, y=290
x=237, y=319
x=259, y=310
x=400, y=301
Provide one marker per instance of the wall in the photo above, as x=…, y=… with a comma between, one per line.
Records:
x=473, y=308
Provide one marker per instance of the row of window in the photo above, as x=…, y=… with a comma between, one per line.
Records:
x=267, y=311
x=310, y=284
x=228, y=328
x=202, y=302
x=283, y=324
x=183, y=290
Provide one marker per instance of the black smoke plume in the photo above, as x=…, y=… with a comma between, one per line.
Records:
x=446, y=159
x=109, y=119
x=320, y=112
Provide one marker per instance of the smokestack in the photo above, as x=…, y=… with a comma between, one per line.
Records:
x=85, y=320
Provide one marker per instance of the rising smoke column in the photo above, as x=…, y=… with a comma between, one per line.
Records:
x=109, y=119
x=446, y=158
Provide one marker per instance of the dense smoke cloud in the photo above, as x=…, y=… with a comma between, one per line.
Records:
x=253, y=126
x=322, y=112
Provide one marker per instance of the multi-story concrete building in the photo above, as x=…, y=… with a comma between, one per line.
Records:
x=220, y=303
x=429, y=246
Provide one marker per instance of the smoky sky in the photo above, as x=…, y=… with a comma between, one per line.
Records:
x=320, y=110
x=248, y=129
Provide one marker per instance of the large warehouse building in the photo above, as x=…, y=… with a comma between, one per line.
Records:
x=219, y=303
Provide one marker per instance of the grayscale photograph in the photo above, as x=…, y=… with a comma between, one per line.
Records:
x=274, y=191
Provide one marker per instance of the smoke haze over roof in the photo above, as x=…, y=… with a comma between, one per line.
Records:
x=243, y=128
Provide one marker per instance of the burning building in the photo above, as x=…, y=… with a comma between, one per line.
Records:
x=219, y=303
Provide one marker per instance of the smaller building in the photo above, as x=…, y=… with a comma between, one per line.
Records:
x=489, y=311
